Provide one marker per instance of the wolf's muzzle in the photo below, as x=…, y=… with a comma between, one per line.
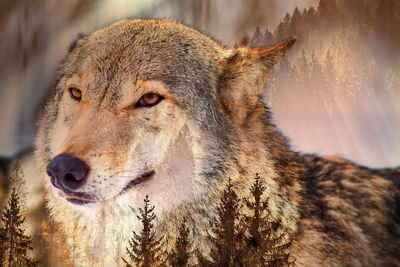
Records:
x=67, y=172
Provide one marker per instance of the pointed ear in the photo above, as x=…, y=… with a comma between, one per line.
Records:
x=245, y=70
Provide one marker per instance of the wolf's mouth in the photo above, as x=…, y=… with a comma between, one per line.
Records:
x=81, y=198
x=78, y=198
x=79, y=201
x=142, y=178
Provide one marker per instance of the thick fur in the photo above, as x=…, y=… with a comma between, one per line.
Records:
x=212, y=125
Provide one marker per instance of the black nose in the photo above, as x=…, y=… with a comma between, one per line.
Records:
x=67, y=172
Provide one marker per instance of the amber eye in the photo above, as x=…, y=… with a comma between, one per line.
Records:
x=75, y=93
x=148, y=100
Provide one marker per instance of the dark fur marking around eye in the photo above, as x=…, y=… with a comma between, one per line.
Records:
x=142, y=104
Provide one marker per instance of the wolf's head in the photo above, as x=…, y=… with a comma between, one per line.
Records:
x=149, y=107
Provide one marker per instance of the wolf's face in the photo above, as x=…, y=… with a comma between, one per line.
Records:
x=148, y=107
x=127, y=118
x=104, y=147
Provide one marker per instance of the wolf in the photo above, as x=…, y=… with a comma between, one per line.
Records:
x=153, y=107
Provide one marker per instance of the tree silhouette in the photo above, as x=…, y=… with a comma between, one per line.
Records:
x=55, y=242
x=201, y=260
x=181, y=253
x=2, y=245
x=145, y=250
x=226, y=235
x=266, y=240
x=282, y=31
x=15, y=245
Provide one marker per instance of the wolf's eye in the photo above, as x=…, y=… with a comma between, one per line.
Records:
x=75, y=93
x=149, y=100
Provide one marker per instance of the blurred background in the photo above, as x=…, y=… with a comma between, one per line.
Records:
x=337, y=92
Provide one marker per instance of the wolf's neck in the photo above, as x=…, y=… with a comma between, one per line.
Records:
x=264, y=150
x=256, y=148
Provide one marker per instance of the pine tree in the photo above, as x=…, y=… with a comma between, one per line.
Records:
x=266, y=240
x=181, y=253
x=282, y=31
x=201, y=260
x=329, y=86
x=256, y=39
x=2, y=245
x=310, y=20
x=268, y=37
x=328, y=12
x=145, y=249
x=303, y=70
x=56, y=244
x=296, y=26
x=226, y=235
x=15, y=245
x=259, y=208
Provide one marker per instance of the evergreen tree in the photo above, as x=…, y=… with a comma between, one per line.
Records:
x=55, y=242
x=226, y=235
x=181, y=253
x=329, y=86
x=201, y=260
x=310, y=15
x=268, y=37
x=297, y=25
x=258, y=207
x=145, y=249
x=303, y=69
x=257, y=38
x=328, y=12
x=282, y=31
x=14, y=244
x=266, y=240
x=2, y=245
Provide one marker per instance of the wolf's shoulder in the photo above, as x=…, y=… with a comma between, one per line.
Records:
x=352, y=205
x=345, y=178
x=362, y=187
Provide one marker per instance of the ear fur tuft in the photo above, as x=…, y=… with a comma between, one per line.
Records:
x=244, y=73
x=270, y=55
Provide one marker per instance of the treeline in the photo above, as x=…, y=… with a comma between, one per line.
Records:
x=343, y=47
x=343, y=75
x=237, y=239
x=242, y=234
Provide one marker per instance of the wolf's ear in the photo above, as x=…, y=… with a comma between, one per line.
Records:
x=245, y=71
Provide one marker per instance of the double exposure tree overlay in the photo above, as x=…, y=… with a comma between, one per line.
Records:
x=226, y=235
x=182, y=250
x=55, y=242
x=266, y=242
x=237, y=239
x=345, y=64
x=15, y=245
x=145, y=249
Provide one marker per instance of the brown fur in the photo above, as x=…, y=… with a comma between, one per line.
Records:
x=211, y=125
